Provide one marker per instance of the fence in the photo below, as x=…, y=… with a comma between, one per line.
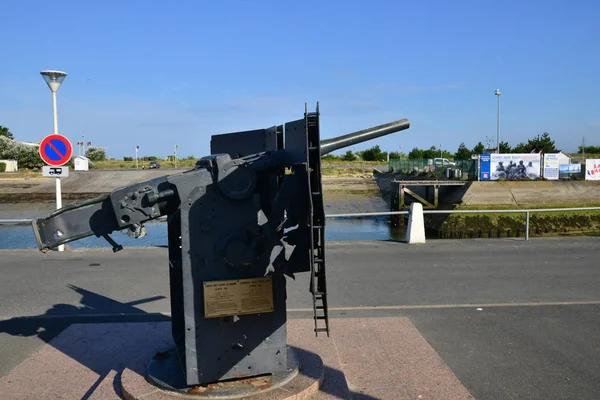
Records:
x=461, y=170
x=527, y=213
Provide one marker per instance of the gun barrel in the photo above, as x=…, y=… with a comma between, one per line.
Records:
x=329, y=145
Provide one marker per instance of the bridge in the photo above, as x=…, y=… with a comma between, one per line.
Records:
x=401, y=191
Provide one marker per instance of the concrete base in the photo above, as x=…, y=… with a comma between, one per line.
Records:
x=365, y=358
x=415, y=233
x=300, y=383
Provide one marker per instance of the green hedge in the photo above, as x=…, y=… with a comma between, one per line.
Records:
x=2, y=167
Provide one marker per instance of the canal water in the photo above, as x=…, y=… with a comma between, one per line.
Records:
x=337, y=229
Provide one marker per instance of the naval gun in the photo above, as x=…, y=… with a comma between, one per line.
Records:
x=238, y=223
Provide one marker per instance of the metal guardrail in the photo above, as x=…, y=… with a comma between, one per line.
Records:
x=15, y=221
x=527, y=213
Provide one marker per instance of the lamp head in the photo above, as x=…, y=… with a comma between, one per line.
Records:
x=53, y=78
x=497, y=92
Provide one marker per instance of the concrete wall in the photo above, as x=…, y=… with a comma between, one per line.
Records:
x=539, y=193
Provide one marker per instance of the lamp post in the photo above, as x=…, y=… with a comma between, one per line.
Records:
x=498, y=93
x=54, y=79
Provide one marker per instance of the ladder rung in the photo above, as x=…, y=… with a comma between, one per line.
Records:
x=317, y=226
x=320, y=307
x=320, y=329
x=319, y=293
x=316, y=192
x=318, y=260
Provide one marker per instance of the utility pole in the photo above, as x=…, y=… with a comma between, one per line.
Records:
x=497, y=93
x=583, y=147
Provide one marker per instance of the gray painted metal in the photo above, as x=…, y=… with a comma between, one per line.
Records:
x=226, y=221
x=329, y=145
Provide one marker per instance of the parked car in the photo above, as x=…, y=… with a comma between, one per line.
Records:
x=153, y=164
x=443, y=162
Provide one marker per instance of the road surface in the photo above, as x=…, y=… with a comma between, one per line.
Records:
x=512, y=319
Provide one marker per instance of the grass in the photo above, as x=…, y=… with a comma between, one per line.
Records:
x=540, y=223
x=120, y=164
x=325, y=162
x=21, y=174
x=346, y=171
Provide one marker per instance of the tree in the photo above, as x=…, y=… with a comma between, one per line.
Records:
x=541, y=143
x=589, y=149
x=374, y=154
x=96, y=153
x=415, y=154
x=27, y=156
x=479, y=148
x=505, y=148
x=348, y=156
x=520, y=148
x=462, y=153
x=395, y=154
x=5, y=132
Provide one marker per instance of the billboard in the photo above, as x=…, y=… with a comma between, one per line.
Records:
x=592, y=170
x=551, y=167
x=570, y=168
x=514, y=166
x=484, y=167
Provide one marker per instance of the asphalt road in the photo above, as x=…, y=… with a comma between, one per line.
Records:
x=512, y=319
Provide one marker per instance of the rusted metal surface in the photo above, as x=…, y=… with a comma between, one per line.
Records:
x=247, y=386
x=164, y=372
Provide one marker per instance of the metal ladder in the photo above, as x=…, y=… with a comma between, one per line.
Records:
x=318, y=283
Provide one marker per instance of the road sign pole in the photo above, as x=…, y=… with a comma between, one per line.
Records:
x=58, y=188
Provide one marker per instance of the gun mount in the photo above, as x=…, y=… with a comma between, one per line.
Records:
x=240, y=221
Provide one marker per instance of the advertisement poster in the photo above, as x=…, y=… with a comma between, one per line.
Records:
x=551, y=167
x=514, y=166
x=592, y=170
x=484, y=167
x=570, y=168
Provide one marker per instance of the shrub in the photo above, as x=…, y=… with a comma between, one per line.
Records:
x=127, y=158
x=2, y=167
x=27, y=156
x=349, y=156
x=96, y=153
x=374, y=154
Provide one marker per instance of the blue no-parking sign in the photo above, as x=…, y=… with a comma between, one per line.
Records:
x=56, y=150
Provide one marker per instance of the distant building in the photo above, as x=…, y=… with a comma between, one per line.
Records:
x=563, y=158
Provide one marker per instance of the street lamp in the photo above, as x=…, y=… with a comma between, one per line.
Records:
x=497, y=93
x=54, y=79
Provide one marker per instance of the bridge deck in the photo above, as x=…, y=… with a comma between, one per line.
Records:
x=429, y=183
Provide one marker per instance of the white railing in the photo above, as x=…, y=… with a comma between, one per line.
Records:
x=527, y=213
x=15, y=221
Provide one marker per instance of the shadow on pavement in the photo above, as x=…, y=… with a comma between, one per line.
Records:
x=92, y=348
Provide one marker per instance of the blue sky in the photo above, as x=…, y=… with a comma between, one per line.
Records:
x=155, y=74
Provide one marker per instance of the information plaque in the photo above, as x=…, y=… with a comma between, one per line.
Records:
x=238, y=297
